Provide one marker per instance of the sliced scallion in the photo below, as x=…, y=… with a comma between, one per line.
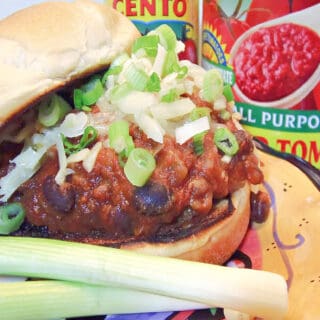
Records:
x=198, y=145
x=111, y=71
x=92, y=91
x=88, y=94
x=90, y=134
x=139, y=166
x=11, y=217
x=52, y=110
x=167, y=37
x=149, y=43
x=212, y=85
x=226, y=141
x=154, y=83
x=119, y=138
x=227, y=92
x=171, y=96
x=136, y=77
x=171, y=63
x=119, y=91
x=200, y=112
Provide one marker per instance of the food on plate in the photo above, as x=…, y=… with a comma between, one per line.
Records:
x=108, y=138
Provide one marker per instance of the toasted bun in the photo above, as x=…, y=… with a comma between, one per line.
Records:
x=212, y=244
x=46, y=46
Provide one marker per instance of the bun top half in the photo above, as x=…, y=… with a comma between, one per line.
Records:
x=46, y=46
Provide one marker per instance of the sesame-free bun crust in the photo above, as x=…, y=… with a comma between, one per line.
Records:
x=47, y=46
x=213, y=244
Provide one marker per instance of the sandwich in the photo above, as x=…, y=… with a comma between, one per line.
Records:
x=107, y=138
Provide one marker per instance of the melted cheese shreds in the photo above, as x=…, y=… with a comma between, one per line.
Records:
x=190, y=129
x=26, y=163
x=78, y=156
x=150, y=126
x=62, y=173
x=90, y=160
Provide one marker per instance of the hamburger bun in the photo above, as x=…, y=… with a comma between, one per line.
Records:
x=47, y=47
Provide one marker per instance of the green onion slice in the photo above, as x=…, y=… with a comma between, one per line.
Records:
x=139, y=167
x=52, y=110
x=88, y=94
x=154, y=83
x=171, y=96
x=227, y=92
x=111, y=72
x=171, y=63
x=90, y=134
x=226, y=141
x=137, y=78
x=200, y=112
x=149, y=43
x=212, y=85
x=11, y=217
x=119, y=91
x=119, y=138
x=167, y=37
x=198, y=145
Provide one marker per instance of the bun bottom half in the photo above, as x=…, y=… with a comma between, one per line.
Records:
x=212, y=244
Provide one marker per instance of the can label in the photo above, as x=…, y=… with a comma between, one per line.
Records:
x=180, y=15
x=276, y=80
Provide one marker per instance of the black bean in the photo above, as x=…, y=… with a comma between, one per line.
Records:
x=62, y=198
x=152, y=199
x=260, y=206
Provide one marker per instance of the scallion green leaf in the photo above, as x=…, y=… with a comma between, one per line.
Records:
x=11, y=217
x=90, y=134
x=139, y=166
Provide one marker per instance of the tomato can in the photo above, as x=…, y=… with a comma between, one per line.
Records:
x=181, y=15
x=269, y=51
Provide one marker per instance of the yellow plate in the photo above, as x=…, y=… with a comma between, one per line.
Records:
x=290, y=239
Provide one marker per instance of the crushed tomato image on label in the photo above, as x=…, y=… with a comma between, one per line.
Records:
x=273, y=65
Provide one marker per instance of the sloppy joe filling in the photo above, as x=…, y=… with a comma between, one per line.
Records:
x=104, y=200
x=145, y=146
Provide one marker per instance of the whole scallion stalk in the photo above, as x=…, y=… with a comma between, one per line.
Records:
x=258, y=293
